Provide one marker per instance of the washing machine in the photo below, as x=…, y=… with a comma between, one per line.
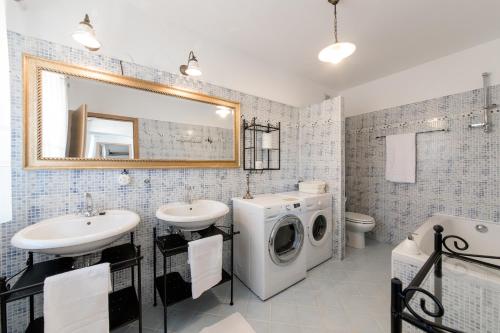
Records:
x=317, y=215
x=269, y=251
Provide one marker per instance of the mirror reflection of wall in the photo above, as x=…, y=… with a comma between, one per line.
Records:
x=84, y=118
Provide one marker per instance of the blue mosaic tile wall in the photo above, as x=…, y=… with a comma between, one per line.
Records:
x=458, y=172
x=48, y=193
x=322, y=157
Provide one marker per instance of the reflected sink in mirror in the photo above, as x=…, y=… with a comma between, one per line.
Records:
x=198, y=215
x=74, y=235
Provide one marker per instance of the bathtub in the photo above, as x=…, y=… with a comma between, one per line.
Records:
x=485, y=243
x=471, y=292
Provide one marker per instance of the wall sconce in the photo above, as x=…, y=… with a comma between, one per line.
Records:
x=192, y=68
x=85, y=35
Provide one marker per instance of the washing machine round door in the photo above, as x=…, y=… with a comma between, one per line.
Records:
x=286, y=240
x=319, y=228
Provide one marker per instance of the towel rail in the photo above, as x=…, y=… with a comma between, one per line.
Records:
x=420, y=132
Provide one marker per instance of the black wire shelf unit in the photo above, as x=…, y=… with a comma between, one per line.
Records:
x=170, y=286
x=401, y=298
x=125, y=304
x=252, y=151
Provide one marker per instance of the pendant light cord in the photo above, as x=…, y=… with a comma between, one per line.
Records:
x=335, y=23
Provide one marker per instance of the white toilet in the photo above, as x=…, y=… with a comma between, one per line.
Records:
x=357, y=225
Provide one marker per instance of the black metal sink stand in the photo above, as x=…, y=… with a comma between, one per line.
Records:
x=125, y=305
x=400, y=298
x=170, y=286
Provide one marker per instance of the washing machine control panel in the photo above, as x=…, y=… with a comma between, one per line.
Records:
x=291, y=207
x=322, y=201
x=292, y=204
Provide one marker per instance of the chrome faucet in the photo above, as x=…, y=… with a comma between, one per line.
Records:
x=189, y=195
x=89, y=206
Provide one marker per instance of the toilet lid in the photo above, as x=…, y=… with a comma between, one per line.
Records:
x=359, y=218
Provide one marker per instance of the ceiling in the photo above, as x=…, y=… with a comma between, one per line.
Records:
x=274, y=40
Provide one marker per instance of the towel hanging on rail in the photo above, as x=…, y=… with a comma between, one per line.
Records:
x=77, y=301
x=205, y=261
x=400, y=165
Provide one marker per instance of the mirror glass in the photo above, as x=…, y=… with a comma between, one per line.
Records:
x=90, y=119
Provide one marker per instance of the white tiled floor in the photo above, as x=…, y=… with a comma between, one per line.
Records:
x=352, y=296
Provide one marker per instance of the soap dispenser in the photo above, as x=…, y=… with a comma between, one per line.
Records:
x=411, y=245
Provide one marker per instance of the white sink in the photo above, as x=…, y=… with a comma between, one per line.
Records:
x=74, y=235
x=198, y=215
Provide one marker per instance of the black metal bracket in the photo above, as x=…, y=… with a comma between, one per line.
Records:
x=3, y=284
x=29, y=261
x=250, y=129
x=170, y=286
x=460, y=244
x=400, y=298
x=31, y=281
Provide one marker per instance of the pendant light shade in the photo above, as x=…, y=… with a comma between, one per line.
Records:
x=192, y=68
x=85, y=35
x=337, y=51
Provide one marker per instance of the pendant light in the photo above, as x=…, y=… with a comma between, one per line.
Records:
x=192, y=68
x=338, y=51
x=85, y=35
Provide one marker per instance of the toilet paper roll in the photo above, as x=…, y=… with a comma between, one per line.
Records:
x=267, y=141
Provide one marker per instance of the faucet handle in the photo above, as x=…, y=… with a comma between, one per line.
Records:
x=411, y=234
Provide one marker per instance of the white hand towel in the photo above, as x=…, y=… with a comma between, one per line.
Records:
x=235, y=323
x=205, y=260
x=401, y=161
x=77, y=301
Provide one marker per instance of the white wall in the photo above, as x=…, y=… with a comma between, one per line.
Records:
x=452, y=74
x=112, y=99
x=5, y=179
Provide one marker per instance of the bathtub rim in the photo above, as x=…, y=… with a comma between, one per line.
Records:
x=399, y=252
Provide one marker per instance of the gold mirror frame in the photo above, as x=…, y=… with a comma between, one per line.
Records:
x=32, y=68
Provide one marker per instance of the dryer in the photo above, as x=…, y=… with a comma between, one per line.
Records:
x=318, y=218
x=269, y=251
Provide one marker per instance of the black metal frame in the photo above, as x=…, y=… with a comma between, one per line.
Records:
x=253, y=127
x=180, y=290
x=120, y=257
x=400, y=298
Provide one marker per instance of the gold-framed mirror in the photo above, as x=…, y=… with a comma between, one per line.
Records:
x=85, y=118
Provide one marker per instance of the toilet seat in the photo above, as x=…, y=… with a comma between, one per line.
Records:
x=359, y=218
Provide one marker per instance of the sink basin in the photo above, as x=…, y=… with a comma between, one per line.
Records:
x=198, y=215
x=74, y=235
